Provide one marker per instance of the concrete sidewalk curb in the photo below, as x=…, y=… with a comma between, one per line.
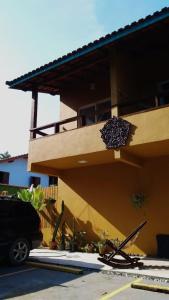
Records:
x=55, y=267
x=152, y=288
x=154, y=269
x=76, y=269
x=135, y=275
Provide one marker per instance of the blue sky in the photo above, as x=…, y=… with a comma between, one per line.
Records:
x=35, y=32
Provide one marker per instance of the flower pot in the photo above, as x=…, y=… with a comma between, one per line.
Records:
x=53, y=245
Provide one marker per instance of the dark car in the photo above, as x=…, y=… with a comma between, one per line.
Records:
x=19, y=229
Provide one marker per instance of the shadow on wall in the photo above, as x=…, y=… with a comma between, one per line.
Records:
x=73, y=223
x=99, y=198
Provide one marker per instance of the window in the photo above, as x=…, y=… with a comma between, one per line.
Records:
x=163, y=88
x=4, y=177
x=96, y=112
x=88, y=114
x=103, y=111
x=53, y=180
x=34, y=180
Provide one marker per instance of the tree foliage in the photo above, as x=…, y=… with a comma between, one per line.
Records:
x=5, y=155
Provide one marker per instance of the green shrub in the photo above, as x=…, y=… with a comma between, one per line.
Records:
x=35, y=196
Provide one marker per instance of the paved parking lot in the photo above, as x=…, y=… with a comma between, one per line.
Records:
x=32, y=283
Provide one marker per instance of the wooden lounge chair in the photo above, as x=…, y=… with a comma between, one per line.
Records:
x=127, y=261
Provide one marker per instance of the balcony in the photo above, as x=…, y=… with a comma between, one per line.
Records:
x=83, y=146
x=69, y=149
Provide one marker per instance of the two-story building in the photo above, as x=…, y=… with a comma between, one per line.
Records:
x=124, y=78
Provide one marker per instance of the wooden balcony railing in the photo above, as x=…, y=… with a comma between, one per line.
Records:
x=144, y=104
x=55, y=125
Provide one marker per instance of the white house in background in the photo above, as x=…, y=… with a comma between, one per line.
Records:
x=13, y=171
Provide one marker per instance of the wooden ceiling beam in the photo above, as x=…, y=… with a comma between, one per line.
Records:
x=72, y=72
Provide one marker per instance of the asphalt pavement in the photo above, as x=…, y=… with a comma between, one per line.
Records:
x=33, y=283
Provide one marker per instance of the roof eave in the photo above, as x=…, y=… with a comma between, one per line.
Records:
x=107, y=41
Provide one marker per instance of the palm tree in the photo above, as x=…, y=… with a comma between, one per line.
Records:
x=5, y=155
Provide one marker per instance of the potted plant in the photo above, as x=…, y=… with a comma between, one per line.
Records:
x=138, y=200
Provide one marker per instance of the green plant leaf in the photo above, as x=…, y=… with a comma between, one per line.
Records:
x=35, y=196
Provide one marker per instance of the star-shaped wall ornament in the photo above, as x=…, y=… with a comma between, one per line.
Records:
x=115, y=133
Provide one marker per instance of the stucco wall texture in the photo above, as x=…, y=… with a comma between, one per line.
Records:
x=99, y=197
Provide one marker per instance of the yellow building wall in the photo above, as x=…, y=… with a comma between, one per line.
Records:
x=150, y=129
x=99, y=198
x=50, y=214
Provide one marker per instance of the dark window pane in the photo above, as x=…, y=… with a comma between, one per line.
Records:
x=103, y=110
x=88, y=115
x=164, y=93
x=53, y=180
x=4, y=177
x=35, y=181
x=164, y=99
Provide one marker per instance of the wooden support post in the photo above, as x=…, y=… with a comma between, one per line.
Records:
x=114, y=111
x=114, y=82
x=56, y=128
x=34, y=111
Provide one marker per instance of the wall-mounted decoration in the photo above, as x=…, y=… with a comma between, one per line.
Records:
x=115, y=132
x=138, y=200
